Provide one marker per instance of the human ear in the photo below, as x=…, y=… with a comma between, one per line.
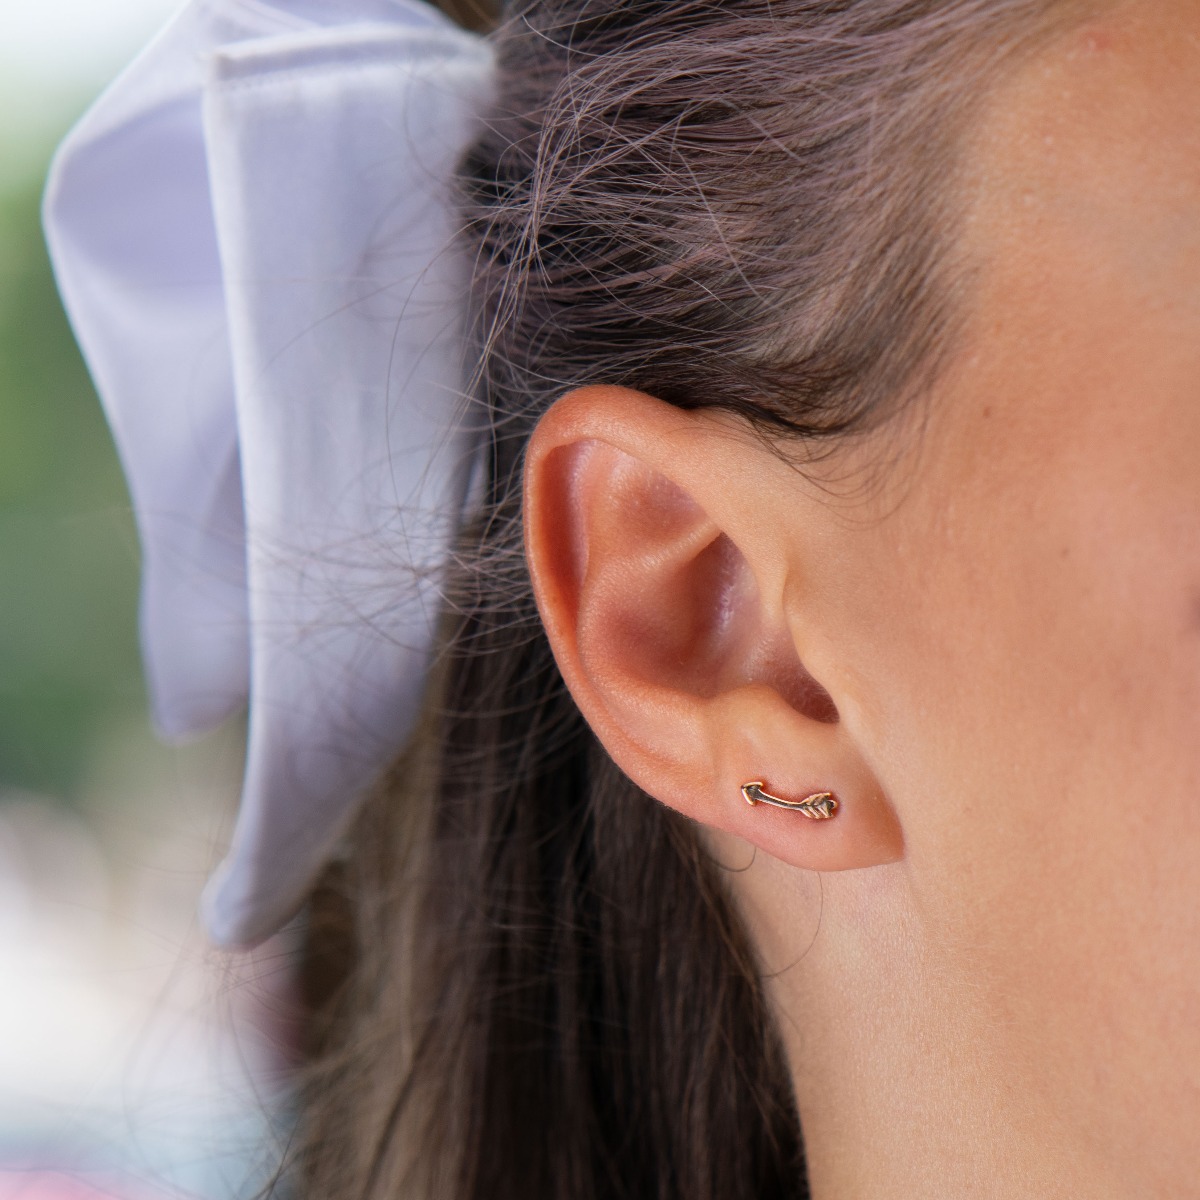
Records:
x=661, y=547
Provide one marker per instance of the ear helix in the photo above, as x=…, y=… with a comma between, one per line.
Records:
x=820, y=806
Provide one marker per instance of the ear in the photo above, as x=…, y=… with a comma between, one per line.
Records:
x=665, y=548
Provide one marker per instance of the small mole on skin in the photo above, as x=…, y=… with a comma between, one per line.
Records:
x=987, y=412
x=1097, y=41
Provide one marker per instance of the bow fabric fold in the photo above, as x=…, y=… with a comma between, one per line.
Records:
x=254, y=233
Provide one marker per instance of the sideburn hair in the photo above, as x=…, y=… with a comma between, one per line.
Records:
x=525, y=978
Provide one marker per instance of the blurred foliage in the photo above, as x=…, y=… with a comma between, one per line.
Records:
x=68, y=552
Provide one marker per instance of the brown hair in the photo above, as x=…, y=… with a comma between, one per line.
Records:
x=527, y=979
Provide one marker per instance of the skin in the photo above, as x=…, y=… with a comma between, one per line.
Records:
x=986, y=966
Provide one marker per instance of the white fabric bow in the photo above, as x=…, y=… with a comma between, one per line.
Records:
x=254, y=237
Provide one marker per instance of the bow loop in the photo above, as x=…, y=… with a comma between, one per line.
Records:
x=254, y=232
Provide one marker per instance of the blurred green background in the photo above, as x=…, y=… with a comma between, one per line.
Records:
x=69, y=673
x=70, y=683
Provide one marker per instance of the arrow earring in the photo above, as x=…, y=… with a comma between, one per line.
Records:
x=820, y=806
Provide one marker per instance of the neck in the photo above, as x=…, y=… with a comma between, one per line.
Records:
x=907, y=1083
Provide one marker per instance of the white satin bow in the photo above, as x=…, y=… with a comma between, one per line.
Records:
x=254, y=237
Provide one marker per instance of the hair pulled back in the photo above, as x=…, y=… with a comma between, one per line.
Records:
x=526, y=978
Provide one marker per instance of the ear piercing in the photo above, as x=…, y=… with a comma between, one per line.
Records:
x=820, y=806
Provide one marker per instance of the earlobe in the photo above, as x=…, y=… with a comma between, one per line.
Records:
x=660, y=585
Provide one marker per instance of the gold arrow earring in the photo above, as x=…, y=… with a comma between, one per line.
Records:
x=820, y=806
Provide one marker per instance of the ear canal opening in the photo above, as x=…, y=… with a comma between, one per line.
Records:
x=807, y=696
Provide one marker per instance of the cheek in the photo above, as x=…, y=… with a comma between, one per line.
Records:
x=1038, y=669
x=1047, y=571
